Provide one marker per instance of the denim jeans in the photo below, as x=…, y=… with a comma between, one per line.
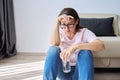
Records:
x=83, y=70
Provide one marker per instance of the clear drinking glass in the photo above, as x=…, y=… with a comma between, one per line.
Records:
x=66, y=67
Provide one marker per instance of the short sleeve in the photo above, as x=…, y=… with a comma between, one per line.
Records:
x=89, y=36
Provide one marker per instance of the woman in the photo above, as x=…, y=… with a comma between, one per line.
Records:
x=73, y=43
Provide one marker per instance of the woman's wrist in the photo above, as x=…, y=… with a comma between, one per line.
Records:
x=74, y=47
x=57, y=23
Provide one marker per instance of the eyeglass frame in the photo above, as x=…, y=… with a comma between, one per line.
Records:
x=63, y=26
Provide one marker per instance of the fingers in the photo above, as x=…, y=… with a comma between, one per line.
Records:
x=65, y=17
x=62, y=56
x=70, y=17
x=61, y=18
x=65, y=56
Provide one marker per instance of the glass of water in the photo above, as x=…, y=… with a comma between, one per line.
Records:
x=66, y=67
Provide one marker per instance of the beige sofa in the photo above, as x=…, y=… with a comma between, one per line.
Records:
x=110, y=57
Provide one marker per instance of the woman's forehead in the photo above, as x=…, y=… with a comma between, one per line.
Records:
x=68, y=21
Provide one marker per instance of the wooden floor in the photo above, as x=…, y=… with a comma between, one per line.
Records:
x=29, y=66
x=23, y=66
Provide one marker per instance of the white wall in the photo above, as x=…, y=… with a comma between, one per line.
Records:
x=35, y=19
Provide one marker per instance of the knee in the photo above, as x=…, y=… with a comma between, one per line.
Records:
x=85, y=56
x=85, y=53
x=53, y=50
x=52, y=55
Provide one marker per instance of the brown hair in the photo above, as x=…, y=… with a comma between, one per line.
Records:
x=72, y=12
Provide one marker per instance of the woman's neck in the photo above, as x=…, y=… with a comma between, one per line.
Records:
x=71, y=35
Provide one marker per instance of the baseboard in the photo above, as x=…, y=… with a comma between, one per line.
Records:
x=107, y=70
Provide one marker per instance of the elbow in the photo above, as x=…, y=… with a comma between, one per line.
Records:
x=100, y=47
x=55, y=43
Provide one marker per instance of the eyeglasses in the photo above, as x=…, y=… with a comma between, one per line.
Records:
x=63, y=26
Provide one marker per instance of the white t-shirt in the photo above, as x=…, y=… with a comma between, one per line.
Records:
x=82, y=36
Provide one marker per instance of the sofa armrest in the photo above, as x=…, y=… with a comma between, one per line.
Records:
x=112, y=49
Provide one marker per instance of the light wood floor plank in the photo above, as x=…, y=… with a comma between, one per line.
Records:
x=29, y=66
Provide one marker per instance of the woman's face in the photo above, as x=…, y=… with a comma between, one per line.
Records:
x=68, y=24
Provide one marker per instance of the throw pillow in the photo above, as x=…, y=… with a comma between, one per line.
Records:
x=100, y=26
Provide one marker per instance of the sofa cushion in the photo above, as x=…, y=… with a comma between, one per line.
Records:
x=100, y=26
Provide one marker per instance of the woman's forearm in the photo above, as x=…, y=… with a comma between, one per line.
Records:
x=55, y=38
x=97, y=45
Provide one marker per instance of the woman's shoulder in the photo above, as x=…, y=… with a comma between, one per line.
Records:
x=82, y=29
x=85, y=29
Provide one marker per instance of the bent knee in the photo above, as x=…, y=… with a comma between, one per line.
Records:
x=85, y=53
x=54, y=50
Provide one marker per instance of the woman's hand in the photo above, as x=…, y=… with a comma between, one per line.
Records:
x=66, y=53
x=64, y=17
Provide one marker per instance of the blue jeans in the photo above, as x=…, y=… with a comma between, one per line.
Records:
x=84, y=69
